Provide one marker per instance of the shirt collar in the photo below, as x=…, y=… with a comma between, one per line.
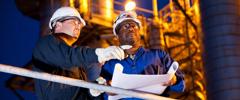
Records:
x=139, y=52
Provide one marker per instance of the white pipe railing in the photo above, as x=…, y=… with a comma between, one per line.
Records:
x=78, y=83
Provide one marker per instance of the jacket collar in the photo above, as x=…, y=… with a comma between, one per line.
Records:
x=139, y=52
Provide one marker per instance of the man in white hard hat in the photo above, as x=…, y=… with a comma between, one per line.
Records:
x=55, y=54
x=140, y=60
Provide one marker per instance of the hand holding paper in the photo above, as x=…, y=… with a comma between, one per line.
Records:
x=171, y=82
x=154, y=83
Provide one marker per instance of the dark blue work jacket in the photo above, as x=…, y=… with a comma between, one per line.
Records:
x=153, y=61
x=53, y=56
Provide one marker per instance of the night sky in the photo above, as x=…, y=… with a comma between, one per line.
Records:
x=19, y=34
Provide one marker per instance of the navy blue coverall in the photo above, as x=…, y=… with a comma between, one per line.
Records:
x=148, y=62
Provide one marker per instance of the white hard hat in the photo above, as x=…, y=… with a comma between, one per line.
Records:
x=64, y=12
x=123, y=17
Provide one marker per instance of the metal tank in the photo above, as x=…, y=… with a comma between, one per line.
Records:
x=221, y=39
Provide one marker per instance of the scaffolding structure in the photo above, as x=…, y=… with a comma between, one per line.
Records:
x=181, y=34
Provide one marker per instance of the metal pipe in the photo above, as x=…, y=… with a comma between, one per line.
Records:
x=75, y=82
x=155, y=10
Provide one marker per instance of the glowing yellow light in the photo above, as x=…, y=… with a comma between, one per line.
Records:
x=200, y=95
x=199, y=84
x=109, y=8
x=71, y=3
x=130, y=6
x=83, y=6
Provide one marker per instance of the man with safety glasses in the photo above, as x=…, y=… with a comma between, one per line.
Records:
x=56, y=54
x=140, y=60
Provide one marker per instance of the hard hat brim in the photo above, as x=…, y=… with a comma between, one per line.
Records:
x=118, y=22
